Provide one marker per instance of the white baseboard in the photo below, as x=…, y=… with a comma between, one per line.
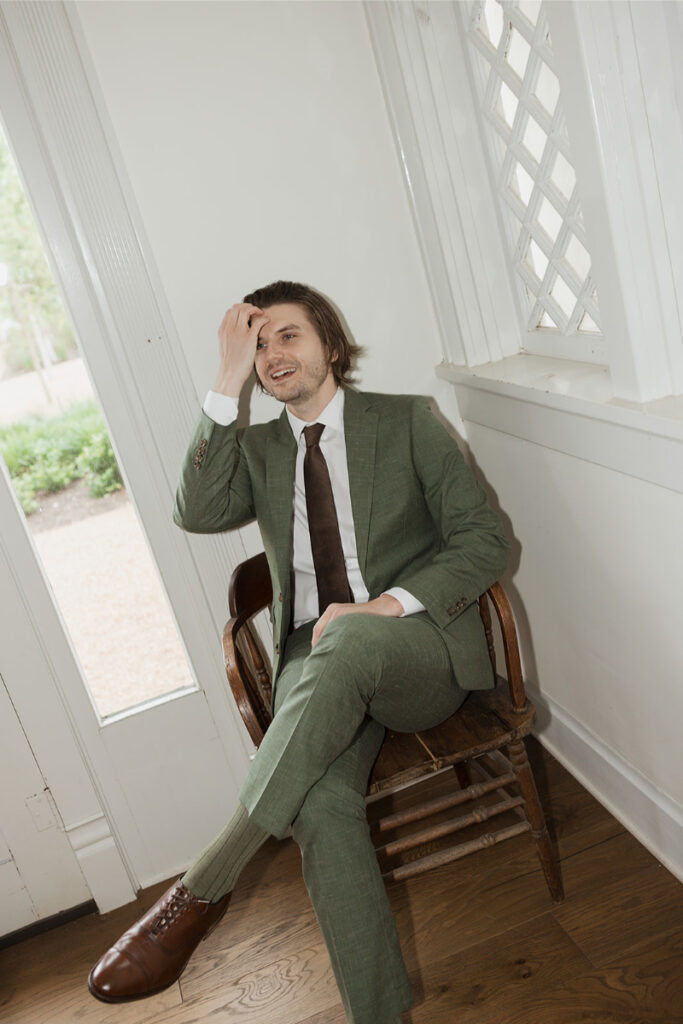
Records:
x=652, y=817
x=100, y=863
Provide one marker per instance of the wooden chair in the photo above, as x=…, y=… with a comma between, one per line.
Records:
x=483, y=742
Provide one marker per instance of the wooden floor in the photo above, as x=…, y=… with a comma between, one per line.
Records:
x=482, y=940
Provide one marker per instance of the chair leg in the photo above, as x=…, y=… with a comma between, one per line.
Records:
x=546, y=854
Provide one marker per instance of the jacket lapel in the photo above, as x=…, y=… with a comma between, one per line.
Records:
x=360, y=428
x=280, y=468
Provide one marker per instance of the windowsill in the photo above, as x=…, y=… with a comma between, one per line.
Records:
x=570, y=407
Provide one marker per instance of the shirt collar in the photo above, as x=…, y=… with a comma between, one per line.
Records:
x=332, y=416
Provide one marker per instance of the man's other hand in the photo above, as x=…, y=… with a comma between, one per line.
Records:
x=237, y=338
x=385, y=605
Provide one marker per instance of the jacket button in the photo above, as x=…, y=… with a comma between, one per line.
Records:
x=277, y=648
x=452, y=610
x=279, y=597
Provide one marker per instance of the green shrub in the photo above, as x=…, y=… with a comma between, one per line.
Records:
x=98, y=467
x=46, y=455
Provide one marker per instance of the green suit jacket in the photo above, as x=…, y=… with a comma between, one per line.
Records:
x=422, y=521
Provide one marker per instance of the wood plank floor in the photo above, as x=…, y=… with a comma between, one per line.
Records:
x=482, y=940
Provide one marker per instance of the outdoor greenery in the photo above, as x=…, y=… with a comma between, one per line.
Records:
x=43, y=454
x=34, y=330
x=46, y=454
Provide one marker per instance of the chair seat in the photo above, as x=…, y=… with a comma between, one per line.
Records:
x=483, y=723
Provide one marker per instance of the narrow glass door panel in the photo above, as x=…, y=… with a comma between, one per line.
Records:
x=59, y=457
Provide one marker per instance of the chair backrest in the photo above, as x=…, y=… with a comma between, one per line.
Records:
x=246, y=667
x=248, y=674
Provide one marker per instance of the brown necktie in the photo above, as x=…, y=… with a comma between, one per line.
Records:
x=323, y=526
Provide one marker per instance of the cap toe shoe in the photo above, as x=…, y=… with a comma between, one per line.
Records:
x=153, y=953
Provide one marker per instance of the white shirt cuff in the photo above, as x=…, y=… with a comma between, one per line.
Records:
x=222, y=409
x=410, y=604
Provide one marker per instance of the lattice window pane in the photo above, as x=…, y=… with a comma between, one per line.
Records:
x=534, y=139
x=563, y=176
x=511, y=51
x=576, y=255
x=507, y=105
x=530, y=9
x=537, y=260
x=522, y=184
x=491, y=23
x=547, y=89
x=549, y=219
x=517, y=53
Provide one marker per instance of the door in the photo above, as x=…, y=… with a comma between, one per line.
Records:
x=39, y=871
x=166, y=772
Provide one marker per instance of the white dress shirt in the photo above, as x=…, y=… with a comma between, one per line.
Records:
x=223, y=410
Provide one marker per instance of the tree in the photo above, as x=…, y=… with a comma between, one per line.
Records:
x=34, y=329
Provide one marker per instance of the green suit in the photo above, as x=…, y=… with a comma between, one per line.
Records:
x=422, y=523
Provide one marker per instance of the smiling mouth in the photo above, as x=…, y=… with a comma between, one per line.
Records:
x=283, y=374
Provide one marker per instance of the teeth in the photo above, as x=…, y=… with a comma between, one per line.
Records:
x=281, y=373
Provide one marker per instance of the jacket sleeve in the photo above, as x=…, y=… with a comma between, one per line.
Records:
x=474, y=551
x=214, y=492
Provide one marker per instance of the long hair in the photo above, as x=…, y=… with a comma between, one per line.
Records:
x=323, y=317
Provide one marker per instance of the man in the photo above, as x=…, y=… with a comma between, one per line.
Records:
x=379, y=542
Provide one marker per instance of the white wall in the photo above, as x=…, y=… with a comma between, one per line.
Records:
x=595, y=583
x=257, y=145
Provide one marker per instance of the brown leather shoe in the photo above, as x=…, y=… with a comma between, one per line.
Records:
x=152, y=954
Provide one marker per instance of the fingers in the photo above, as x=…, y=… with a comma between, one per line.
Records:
x=238, y=342
x=320, y=626
x=257, y=321
x=385, y=605
x=244, y=318
x=332, y=611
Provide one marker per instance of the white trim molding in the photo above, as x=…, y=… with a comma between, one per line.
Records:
x=650, y=815
x=100, y=862
x=567, y=407
x=627, y=140
x=422, y=65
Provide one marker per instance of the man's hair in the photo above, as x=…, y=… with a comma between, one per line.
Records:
x=323, y=318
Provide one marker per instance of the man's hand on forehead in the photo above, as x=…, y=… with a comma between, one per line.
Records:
x=245, y=314
x=238, y=338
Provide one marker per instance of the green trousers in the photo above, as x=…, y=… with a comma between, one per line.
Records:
x=332, y=704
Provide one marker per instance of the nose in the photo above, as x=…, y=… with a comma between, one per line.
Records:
x=275, y=349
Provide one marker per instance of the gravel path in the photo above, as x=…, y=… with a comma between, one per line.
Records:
x=109, y=593
x=99, y=567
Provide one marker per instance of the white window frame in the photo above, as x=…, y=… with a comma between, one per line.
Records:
x=489, y=69
x=616, y=65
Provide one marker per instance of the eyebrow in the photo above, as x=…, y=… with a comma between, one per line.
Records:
x=281, y=330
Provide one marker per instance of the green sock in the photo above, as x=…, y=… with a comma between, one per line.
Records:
x=217, y=868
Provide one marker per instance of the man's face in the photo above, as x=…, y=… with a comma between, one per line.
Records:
x=291, y=360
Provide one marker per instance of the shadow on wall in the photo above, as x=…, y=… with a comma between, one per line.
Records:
x=515, y=598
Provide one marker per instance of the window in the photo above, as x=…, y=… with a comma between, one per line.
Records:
x=505, y=113
x=520, y=100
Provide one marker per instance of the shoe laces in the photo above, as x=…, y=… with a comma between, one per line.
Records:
x=179, y=901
